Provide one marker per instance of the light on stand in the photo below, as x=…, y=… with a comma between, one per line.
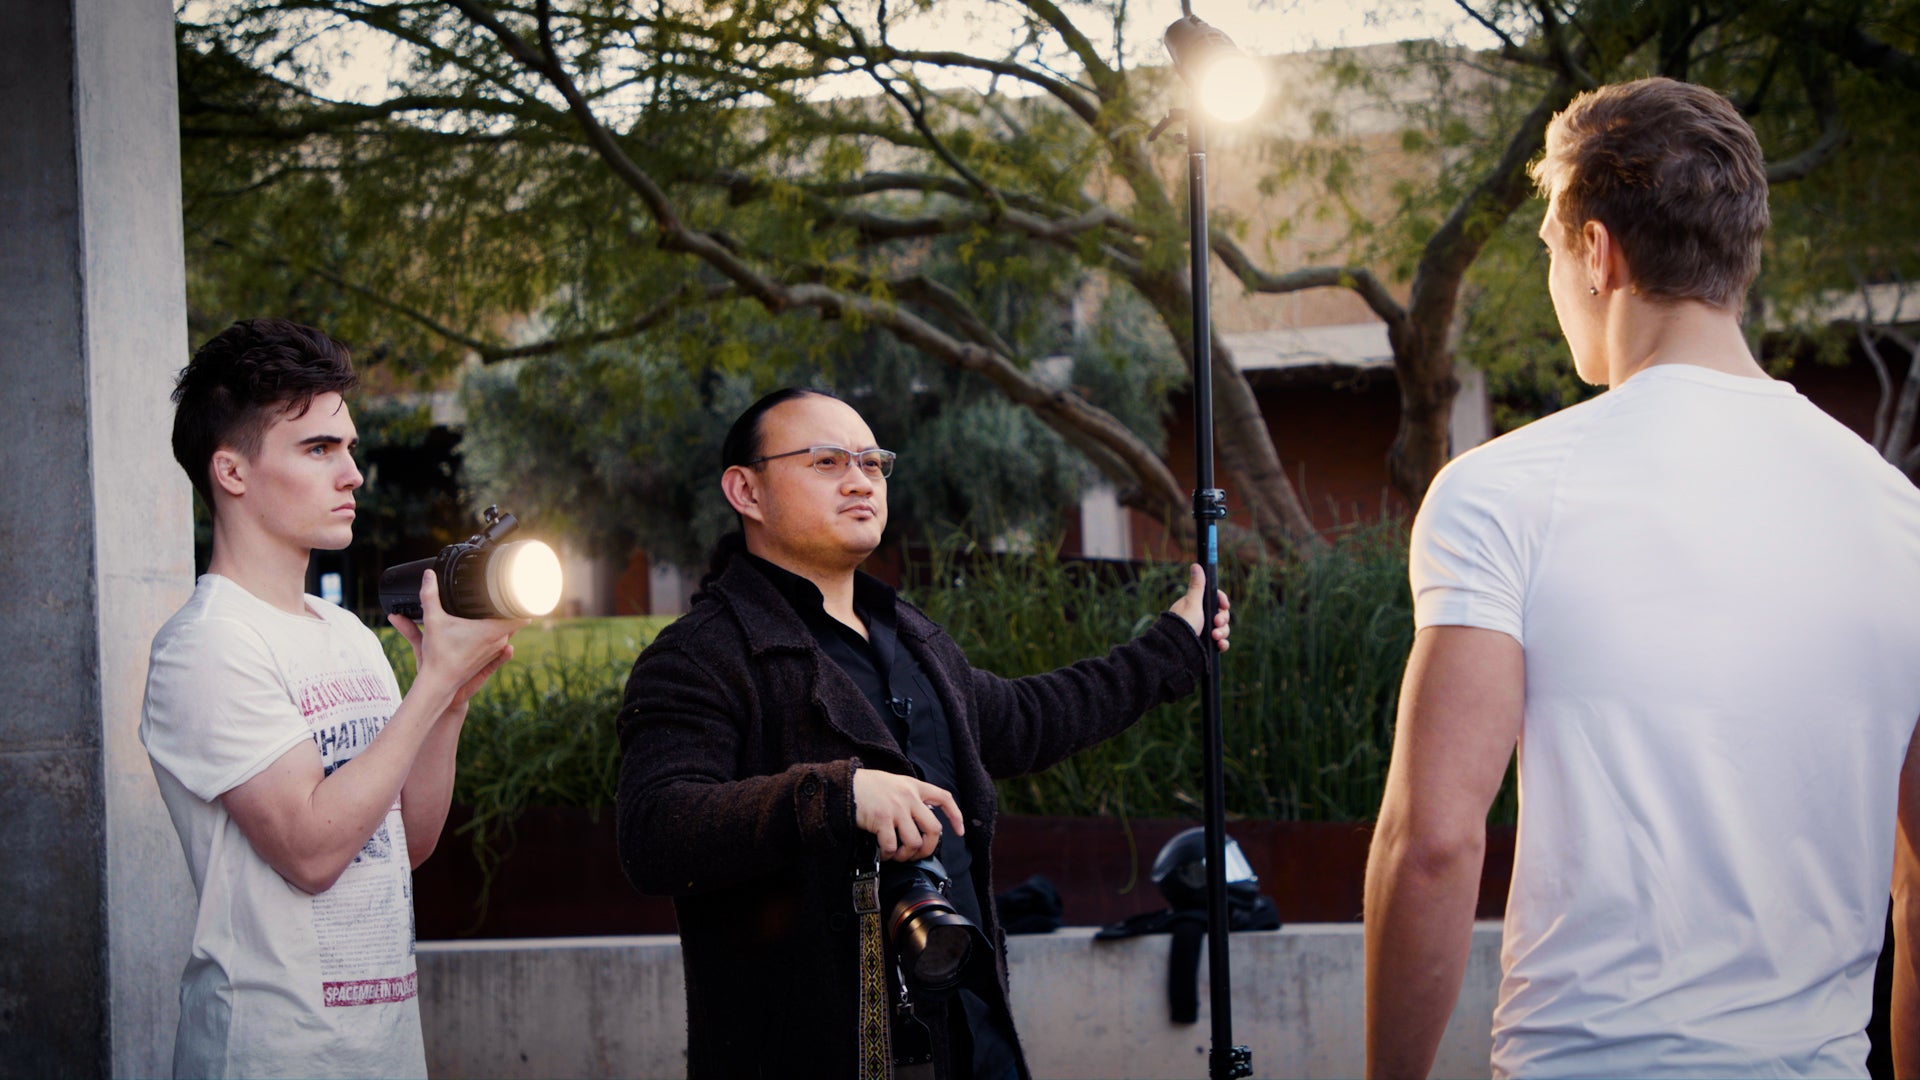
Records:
x=1228, y=85
x=1233, y=87
x=481, y=578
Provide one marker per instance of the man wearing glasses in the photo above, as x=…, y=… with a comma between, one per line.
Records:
x=801, y=719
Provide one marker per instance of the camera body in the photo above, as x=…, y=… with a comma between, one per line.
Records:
x=935, y=947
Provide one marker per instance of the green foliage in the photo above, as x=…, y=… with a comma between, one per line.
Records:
x=620, y=443
x=1126, y=363
x=1509, y=331
x=470, y=213
x=1308, y=689
x=622, y=447
x=541, y=732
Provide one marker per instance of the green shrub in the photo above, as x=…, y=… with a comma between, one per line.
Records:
x=541, y=732
x=1307, y=692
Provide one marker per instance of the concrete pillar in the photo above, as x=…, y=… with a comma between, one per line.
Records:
x=95, y=533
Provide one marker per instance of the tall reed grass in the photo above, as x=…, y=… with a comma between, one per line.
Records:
x=540, y=733
x=1308, y=690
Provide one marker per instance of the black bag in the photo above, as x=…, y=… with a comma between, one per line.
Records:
x=1031, y=907
x=1246, y=910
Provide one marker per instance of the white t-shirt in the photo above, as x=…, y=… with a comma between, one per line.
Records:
x=280, y=982
x=1717, y=589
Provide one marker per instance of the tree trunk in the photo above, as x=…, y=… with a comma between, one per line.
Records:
x=1242, y=442
x=1423, y=366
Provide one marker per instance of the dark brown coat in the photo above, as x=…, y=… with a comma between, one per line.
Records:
x=739, y=739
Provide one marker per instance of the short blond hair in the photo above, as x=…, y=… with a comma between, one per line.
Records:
x=1675, y=174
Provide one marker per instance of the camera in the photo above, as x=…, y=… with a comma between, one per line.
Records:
x=932, y=942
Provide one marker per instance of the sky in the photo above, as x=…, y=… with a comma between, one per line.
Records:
x=1265, y=27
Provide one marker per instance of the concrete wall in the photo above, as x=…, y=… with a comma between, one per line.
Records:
x=616, y=1007
x=95, y=538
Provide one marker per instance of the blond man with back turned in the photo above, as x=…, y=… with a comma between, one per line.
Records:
x=1691, y=604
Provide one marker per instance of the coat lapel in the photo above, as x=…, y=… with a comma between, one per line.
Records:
x=772, y=626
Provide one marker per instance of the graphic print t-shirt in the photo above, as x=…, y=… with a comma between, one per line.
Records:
x=280, y=982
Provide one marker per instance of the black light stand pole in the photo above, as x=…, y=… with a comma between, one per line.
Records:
x=1226, y=1061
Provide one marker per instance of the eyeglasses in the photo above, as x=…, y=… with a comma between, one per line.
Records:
x=833, y=460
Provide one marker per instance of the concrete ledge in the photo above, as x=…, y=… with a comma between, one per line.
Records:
x=616, y=1006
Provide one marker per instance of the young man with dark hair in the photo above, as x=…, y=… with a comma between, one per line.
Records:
x=1691, y=603
x=260, y=697
x=802, y=719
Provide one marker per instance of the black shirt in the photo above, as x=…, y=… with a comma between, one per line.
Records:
x=899, y=691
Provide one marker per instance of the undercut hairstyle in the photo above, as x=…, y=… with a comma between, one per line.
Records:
x=745, y=441
x=243, y=379
x=1675, y=174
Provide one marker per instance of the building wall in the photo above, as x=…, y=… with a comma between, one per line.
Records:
x=1332, y=436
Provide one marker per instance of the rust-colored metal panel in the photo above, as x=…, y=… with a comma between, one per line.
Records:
x=563, y=878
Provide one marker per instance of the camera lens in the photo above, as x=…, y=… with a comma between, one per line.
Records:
x=932, y=941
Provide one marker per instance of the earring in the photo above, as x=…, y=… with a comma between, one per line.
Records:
x=1593, y=290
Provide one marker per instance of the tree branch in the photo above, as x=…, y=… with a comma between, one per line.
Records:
x=873, y=227
x=680, y=300
x=918, y=115
x=1833, y=136
x=949, y=303
x=489, y=353
x=1066, y=412
x=1818, y=81
x=1066, y=93
x=1104, y=77
x=1571, y=67
x=331, y=119
x=1357, y=278
x=1865, y=52
x=744, y=187
x=1509, y=48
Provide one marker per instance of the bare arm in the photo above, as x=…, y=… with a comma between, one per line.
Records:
x=1460, y=709
x=307, y=825
x=1904, y=1023
x=428, y=791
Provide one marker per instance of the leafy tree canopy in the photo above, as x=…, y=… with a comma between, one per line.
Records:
x=663, y=180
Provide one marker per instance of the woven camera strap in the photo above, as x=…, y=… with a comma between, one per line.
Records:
x=876, y=1052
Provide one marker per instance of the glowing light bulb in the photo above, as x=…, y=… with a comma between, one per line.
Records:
x=524, y=578
x=1232, y=87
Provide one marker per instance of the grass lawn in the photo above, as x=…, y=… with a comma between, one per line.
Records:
x=553, y=646
x=623, y=635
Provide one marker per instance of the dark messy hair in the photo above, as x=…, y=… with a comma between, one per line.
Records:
x=241, y=380
x=1675, y=174
x=745, y=441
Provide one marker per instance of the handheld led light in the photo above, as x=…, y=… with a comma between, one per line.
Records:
x=481, y=578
